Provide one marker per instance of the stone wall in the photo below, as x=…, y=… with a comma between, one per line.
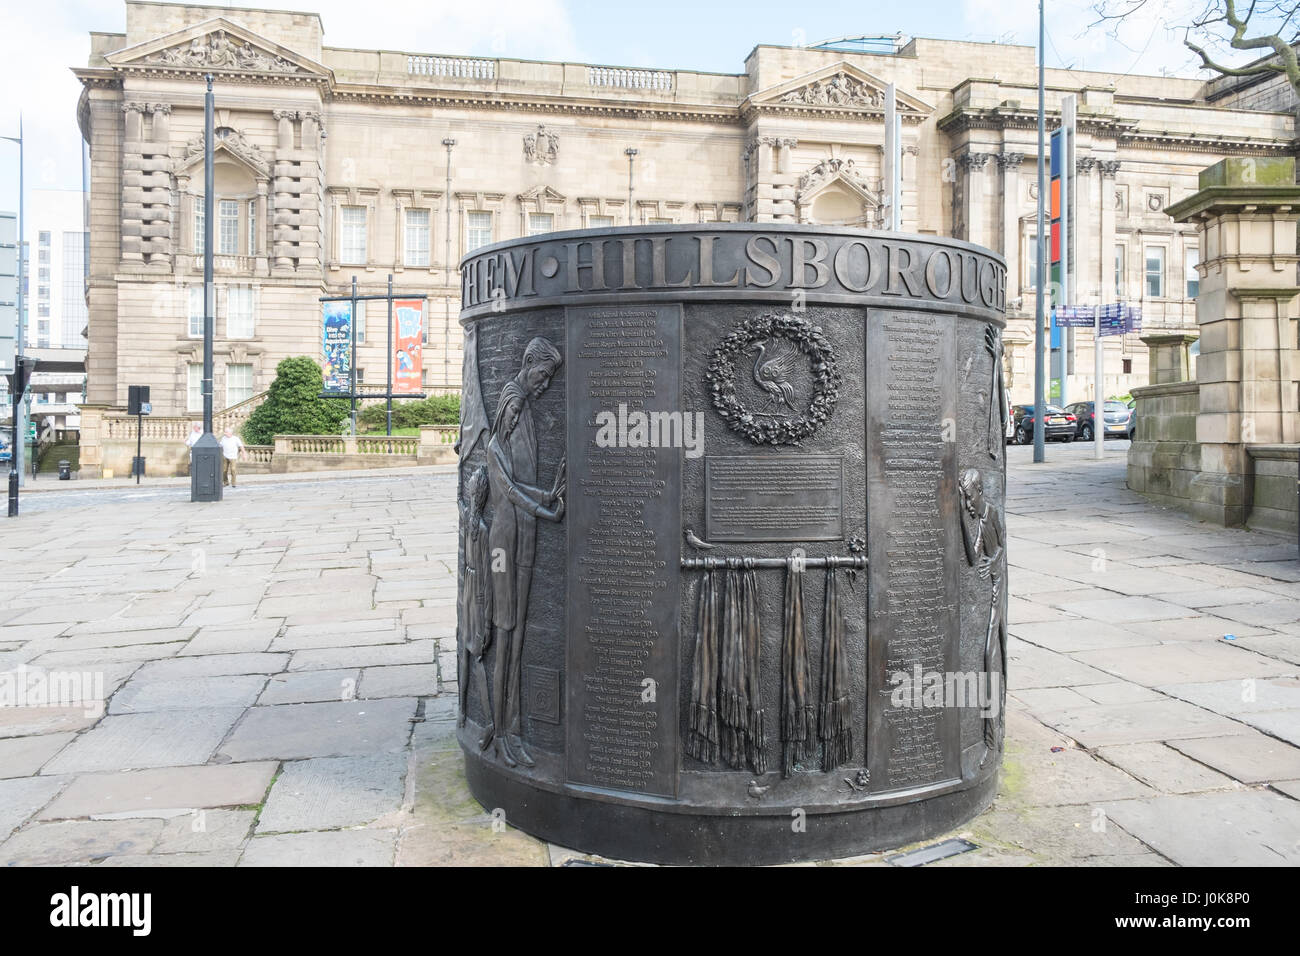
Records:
x=1165, y=457
x=1273, y=499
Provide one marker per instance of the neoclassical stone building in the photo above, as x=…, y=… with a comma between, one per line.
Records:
x=335, y=163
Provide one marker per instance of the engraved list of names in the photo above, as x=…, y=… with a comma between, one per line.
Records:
x=623, y=575
x=911, y=514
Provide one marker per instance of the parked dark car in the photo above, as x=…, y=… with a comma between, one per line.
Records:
x=1058, y=424
x=1116, y=415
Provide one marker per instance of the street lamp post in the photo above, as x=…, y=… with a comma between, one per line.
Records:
x=446, y=270
x=1040, y=359
x=205, y=456
x=19, y=431
x=631, y=154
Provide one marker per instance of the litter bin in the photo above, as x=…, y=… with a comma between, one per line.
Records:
x=65, y=469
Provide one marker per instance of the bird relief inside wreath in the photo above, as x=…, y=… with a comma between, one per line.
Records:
x=774, y=379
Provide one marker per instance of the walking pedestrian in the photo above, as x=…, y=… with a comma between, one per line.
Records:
x=231, y=450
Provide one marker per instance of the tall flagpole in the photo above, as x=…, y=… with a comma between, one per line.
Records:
x=1040, y=359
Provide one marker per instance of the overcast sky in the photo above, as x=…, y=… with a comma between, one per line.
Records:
x=40, y=41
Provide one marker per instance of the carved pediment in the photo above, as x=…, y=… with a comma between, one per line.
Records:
x=218, y=51
x=217, y=45
x=541, y=194
x=232, y=141
x=831, y=170
x=837, y=87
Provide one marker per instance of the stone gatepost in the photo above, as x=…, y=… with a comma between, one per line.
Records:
x=1245, y=212
x=1170, y=359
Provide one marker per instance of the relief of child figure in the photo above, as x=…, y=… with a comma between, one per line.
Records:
x=475, y=600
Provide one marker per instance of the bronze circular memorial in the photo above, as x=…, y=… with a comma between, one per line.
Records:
x=732, y=566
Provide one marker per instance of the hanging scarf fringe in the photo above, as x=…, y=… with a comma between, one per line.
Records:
x=835, y=726
x=702, y=739
x=798, y=719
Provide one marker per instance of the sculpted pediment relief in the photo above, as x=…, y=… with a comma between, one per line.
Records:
x=831, y=170
x=839, y=86
x=215, y=45
x=233, y=142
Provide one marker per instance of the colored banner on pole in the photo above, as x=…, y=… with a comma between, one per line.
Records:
x=337, y=346
x=408, y=352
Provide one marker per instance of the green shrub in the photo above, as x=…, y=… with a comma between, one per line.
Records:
x=293, y=405
x=434, y=410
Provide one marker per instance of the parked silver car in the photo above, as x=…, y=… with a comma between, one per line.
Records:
x=1115, y=417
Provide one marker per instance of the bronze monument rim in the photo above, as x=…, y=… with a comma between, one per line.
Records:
x=686, y=228
x=735, y=263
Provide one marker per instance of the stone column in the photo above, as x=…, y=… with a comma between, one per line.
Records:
x=1245, y=212
x=1009, y=166
x=975, y=197
x=1170, y=360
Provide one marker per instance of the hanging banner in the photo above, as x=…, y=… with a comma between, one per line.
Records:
x=337, y=346
x=408, y=339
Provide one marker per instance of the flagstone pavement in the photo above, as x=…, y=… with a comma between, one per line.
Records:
x=278, y=680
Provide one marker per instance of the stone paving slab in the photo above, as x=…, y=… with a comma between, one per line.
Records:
x=162, y=791
x=73, y=841
x=1164, y=768
x=342, y=728
x=328, y=793
x=304, y=687
x=137, y=741
x=1181, y=663
x=1231, y=828
x=1143, y=721
x=21, y=798
x=1247, y=756
x=141, y=695
x=326, y=848
x=25, y=756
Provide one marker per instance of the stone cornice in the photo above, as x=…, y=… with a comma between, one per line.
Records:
x=1217, y=200
x=1124, y=132
x=473, y=99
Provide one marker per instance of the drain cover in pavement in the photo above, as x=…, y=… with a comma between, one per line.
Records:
x=928, y=854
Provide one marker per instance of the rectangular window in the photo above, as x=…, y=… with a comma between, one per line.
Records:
x=1155, y=272
x=1119, y=272
x=239, y=384
x=1191, y=257
x=196, y=311
x=417, y=238
x=1128, y=366
x=239, y=312
x=227, y=228
x=198, y=225
x=659, y=222
x=352, y=238
x=44, y=275
x=44, y=238
x=540, y=222
x=360, y=321
x=44, y=255
x=599, y=222
x=194, y=387
x=478, y=230
x=1031, y=263
x=252, y=227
